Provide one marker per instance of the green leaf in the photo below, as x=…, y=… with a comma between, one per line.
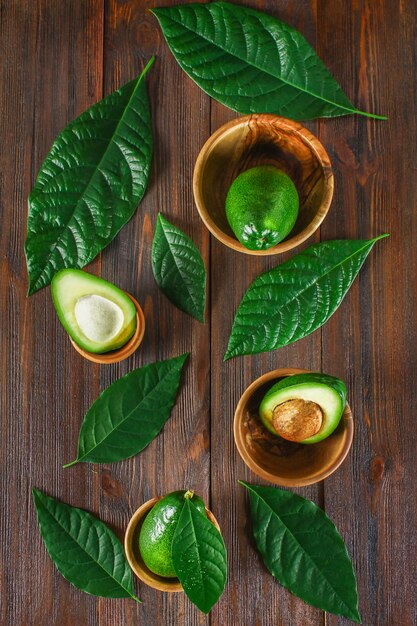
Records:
x=199, y=557
x=303, y=549
x=130, y=413
x=179, y=269
x=85, y=551
x=90, y=183
x=252, y=62
x=297, y=297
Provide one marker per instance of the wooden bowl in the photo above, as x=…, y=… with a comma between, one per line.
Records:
x=277, y=460
x=263, y=140
x=170, y=585
x=125, y=351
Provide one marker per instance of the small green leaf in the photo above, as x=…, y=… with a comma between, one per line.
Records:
x=199, y=557
x=90, y=183
x=303, y=549
x=252, y=62
x=179, y=269
x=130, y=413
x=85, y=551
x=292, y=300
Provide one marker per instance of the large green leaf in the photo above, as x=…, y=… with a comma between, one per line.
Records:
x=303, y=549
x=199, y=557
x=297, y=297
x=252, y=62
x=130, y=413
x=179, y=269
x=90, y=183
x=85, y=551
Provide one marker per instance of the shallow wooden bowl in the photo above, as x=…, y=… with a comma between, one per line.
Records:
x=125, y=351
x=283, y=462
x=263, y=140
x=170, y=585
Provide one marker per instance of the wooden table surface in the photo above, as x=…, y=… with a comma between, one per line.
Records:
x=58, y=58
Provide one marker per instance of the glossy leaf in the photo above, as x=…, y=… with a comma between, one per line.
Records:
x=303, y=549
x=297, y=297
x=199, y=557
x=130, y=413
x=85, y=551
x=179, y=269
x=90, y=183
x=252, y=62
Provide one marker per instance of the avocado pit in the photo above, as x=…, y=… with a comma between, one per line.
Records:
x=297, y=419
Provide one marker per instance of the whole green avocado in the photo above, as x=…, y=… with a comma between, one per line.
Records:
x=262, y=207
x=158, y=528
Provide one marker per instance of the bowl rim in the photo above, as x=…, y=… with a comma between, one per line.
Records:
x=308, y=138
x=169, y=585
x=124, y=351
x=260, y=471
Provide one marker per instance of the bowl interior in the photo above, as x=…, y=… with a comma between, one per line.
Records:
x=284, y=462
x=265, y=140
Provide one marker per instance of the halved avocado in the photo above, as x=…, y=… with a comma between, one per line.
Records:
x=96, y=314
x=305, y=408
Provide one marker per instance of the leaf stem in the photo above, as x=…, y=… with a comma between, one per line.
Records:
x=148, y=65
x=69, y=464
x=374, y=116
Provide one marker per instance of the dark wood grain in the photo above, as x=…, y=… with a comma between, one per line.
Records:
x=371, y=340
x=51, y=54
x=56, y=59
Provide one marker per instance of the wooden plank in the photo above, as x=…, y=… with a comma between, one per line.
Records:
x=52, y=70
x=252, y=596
x=179, y=457
x=370, y=341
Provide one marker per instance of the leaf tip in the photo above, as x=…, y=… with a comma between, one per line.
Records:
x=31, y=288
x=356, y=616
x=136, y=599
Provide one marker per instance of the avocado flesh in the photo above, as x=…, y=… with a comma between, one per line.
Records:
x=326, y=392
x=96, y=314
x=157, y=532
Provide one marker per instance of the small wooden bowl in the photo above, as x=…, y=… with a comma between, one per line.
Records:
x=170, y=585
x=125, y=351
x=285, y=463
x=263, y=140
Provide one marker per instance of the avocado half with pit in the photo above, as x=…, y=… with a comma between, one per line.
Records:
x=305, y=408
x=96, y=314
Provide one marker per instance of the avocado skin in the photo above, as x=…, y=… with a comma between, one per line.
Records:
x=96, y=286
x=157, y=532
x=307, y=379
x=262, y=207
